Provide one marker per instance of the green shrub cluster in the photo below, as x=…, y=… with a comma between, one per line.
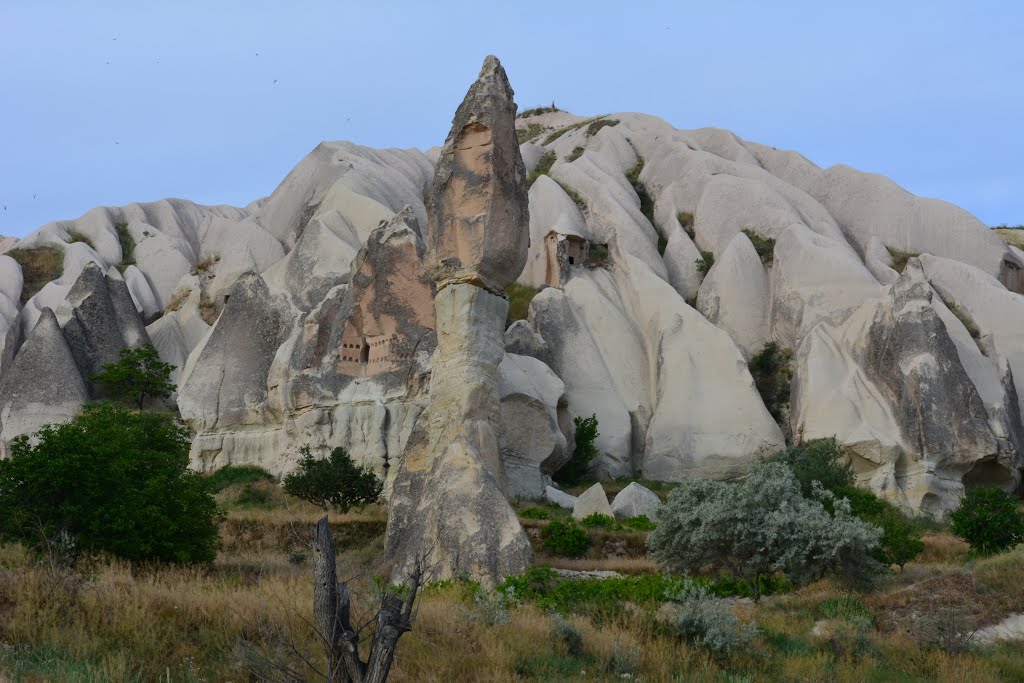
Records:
x=586, y=434
x=78, y=236
x=771, y=368
x=335, y=481
x=137, y=377
x=685, y=219
x=113, y=481
x=822, y=462
x=543, y=166
x=564, y=537
x=646, y=201
x=760, y=526
x=576, y=153
x=705, y=620
x=124, y=236
x=598, y=521
x=900, y=258
x=535, y=513
x=545, y=588
x=764, y=246
x=989, y=519
x=232, y=475
x=705, y=262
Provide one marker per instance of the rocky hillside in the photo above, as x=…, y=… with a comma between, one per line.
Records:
x=666, y=260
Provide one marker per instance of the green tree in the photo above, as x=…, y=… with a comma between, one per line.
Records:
x=138, y=376
x=989, y=519
x=335, y=481
x=824, y=461
x=111, y=480
x=760, y=526
x=573, y=471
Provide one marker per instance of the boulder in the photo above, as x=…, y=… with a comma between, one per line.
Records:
x=559, y=498
x=592, y=501
x=530, y=441
x=635, y=500
x=523, y=340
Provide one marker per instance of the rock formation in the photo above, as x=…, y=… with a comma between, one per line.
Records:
x=448, y=503
x=307, y=318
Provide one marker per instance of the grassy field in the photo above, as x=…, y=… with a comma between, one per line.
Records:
x=252, y=608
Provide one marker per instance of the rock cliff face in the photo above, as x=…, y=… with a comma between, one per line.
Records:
x=449, y=504
x=309, y=316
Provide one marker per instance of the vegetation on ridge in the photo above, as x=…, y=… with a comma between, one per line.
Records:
x=39, y=265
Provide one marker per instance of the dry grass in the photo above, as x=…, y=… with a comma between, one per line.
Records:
x=112, y=622
x=943, y=548
x=1012, y=236
x=39, y=265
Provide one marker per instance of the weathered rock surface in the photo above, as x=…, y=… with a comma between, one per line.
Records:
x=635, y=500
x=593, y=501
x=448, y=502
x=734, y=296
x=609, y=234
x=559, y=498
x=43, y=385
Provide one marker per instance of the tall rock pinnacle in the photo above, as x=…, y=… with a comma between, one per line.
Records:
x=478, y=205
x=448, y=504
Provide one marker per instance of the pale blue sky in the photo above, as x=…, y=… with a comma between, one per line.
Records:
x=111, y=102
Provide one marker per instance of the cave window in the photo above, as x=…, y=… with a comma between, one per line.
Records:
x=364, y=353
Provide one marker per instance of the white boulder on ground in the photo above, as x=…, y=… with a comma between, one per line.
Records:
x=559, y=498
x=593, y=501
x=635, y=500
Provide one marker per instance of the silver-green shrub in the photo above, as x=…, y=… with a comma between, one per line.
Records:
x=760, y=526
x=702, y=618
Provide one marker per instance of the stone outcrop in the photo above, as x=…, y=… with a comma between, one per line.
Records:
x=635, y=500
x=593, y=501
x=306, y=318
x=448, y=502
x=43, y=385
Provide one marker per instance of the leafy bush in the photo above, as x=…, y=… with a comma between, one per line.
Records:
x=535, y=513
x=817, y=460
x=639, y=523
x=565, y=538
x=772, y=372
x=822, y=461
x=139, y=376
x=705, y=620
x=764, y=246
x=705, y=262
x=598, y=521
x=989, y=519
x=586, y=433
x=537, y=111
x=336, y=481
x=576, y=153
x=39, y=265
x=759, y=526
x=113, y=481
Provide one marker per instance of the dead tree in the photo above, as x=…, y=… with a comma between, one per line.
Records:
x=332, y=611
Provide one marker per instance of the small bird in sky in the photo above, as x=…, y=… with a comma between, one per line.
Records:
x=33, y=196
x=275, y=80
x=116, y=142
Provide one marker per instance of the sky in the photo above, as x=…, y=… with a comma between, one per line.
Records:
x=107, y=103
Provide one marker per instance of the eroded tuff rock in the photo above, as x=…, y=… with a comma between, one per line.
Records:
x=448, y=503
x=43, y=385
x=890, y=382
x=477, y=202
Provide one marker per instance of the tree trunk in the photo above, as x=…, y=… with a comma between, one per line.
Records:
x=332, y=618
